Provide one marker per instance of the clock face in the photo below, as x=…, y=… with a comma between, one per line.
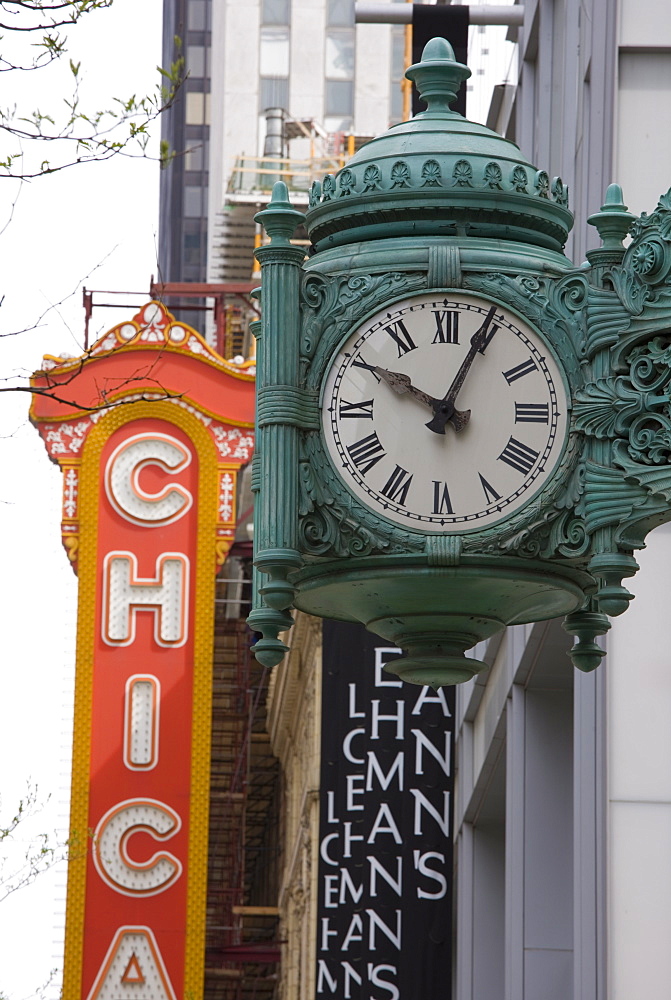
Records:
x=444, y=413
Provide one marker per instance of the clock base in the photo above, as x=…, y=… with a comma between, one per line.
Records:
x=436, y=664
x=436, y=613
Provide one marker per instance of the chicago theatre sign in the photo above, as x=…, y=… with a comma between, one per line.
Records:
x=149, y=491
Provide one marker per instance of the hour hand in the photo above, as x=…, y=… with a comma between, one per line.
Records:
x=401, y=384
x=445, y=412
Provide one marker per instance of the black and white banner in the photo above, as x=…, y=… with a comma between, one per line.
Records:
x=385, y=899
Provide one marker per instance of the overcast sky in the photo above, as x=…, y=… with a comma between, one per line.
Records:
x=94, y=225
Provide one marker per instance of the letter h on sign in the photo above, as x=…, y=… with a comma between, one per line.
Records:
x=125, y=593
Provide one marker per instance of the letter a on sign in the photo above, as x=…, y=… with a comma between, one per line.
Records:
x=132, y=968
x=133, y=973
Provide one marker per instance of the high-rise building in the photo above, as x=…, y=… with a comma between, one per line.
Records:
x=187, y=34
x=273, y=89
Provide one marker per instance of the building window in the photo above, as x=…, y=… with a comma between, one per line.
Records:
x=197, y=13
x=340, y=13
x=274, y=68
x=397, y=74
x=275, y=12
x=339, y=55
x=193, y=245
x=195, y=157
x=339, y=98
x=197, y=61
x=273, y=93
x=195, y=202
x=197, y=108
x=339, y=73
x=274, y=52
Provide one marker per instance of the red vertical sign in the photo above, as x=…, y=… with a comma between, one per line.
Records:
x=149, y=507
x=142, y=706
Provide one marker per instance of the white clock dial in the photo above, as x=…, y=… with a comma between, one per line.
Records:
x=445, y=413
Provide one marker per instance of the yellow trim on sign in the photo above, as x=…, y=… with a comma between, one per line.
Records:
x=114, y=399
x=76, y=364
x=202, y=688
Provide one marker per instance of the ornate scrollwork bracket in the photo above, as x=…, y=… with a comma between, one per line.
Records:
x=623, y=410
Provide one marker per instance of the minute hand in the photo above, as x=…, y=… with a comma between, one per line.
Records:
x=444, y=409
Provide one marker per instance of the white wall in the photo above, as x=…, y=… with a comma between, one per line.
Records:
x=639, y=650
x=639, y=782
x=643, y=122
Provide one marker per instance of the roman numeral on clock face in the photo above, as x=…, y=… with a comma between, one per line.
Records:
x=358, y=362
x=366, y=453
x=363, y=410
x=532, y=413
x=520, y=370
x=447, y=326
x=490, y=493
x=520, y=456
x=441, y=498
x=396, y=488
x=398, y=332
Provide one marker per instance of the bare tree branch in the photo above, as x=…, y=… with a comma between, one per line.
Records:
x=73, y=134
x=40, y=854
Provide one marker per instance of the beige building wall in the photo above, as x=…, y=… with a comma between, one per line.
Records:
x=294, y=722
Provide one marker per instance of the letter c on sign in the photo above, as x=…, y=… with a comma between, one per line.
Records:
x=110, y=847
x=122, y=479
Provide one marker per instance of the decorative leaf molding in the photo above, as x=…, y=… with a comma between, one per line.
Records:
x=608, y=499
x=331, y=522
x=416, y=173
x=332, y=305
x=605, y=408
x=544, y=303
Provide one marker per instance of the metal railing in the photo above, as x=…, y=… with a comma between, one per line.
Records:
x=257, y=174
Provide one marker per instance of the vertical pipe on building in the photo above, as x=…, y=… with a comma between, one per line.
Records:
x=515, y=821
x=273, y=146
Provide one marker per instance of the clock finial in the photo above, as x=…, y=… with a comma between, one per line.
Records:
x=438, y=76
x=279, y=219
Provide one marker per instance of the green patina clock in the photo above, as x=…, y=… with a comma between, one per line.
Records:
x=458, y=430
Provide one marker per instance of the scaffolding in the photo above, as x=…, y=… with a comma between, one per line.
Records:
x=242, y=946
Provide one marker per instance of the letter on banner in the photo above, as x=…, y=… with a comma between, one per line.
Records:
x=132, y=969
x=166, y=596
x=110, y=847
x=141, y=721
x=122, y=480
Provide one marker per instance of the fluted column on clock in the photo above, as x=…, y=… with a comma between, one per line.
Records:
x=609, y=564
x=276, y=471
x=269, y=649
